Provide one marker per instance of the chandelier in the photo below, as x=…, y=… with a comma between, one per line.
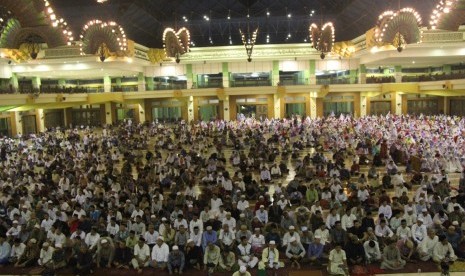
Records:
x=322, y=40
x=398, y=28
x=448, y=15
x=248, y=39
x=101, y=1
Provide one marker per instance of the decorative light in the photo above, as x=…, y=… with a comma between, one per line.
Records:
x=444, y=7
x=248, y=40
x=316, y=38
x=57, y=22
x=101, y=1
x=384, y=21
x=183, y=45
x=115, y=29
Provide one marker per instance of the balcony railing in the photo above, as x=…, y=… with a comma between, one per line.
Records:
x=211, y=84
x=290, y=82
x=327, y=81
x=434, y=77
x=250, y=83
x=386, y=79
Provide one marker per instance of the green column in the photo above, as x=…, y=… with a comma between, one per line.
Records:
x=362, y=76
x=226, y=74
x=14, y=82
x=61, y=82
x=140, y=82
x=312, y=72
x=191, y=83
x=352, y=76
x=106, y=84
x=398, y=73
x=36, y=82
x=275, y=73
x=118, y=82
x=447, y=69
x=150, y=84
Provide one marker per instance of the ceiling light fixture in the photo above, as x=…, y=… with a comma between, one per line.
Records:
x=249, y=39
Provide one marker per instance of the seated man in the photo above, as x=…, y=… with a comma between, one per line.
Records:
x=193, y=254
x=30, y=254
x=105, y=253
x=16, y=250
x=337, y=264
x=270, y=258
x=316, y=251
x=355, y=252
x=227, y=262
x=295, y=252
x=426, y=247
x=211, y=257
x=176, y=261
x=392, y=259
x=58, y=259
x=245, y=256
x=443, y=251
x=160, y=254
x=5, y=250
x=123, y=255
x=141, y=255
x=46, y=253
x=83, y=261
x=372, y=252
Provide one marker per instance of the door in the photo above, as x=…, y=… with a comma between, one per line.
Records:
x=5, y=127
x=208, y=112
x=54, y=118
x=295, y=109
x=29, y=124
x=380, y=108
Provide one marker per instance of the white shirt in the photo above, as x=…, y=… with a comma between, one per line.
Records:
x=257, y=241
x=242, y=205
x=197, y=223
x=112, y=230
x=419, y=232
x=386, y=210
x=215, y=204
x=46, y=255
x=151, y=238
x=231, y=222
x=347, y=221
x=143, y=252
x=91, y=240
x=160, y=253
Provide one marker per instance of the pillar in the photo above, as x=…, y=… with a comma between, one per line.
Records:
x=190, y=108
x=277, y=106
x=140, y=83
x=61, y=82
x=190, y=77
x=352, y=76
x=398, y=103
x=312, y=103
x=17, y=128
x=398, y=73
x=14, y=83
x=150, y=83
x=36, y=83
x=108, y=114
x=40, y=117
x=447, y=69
x=226, y=109
x=363, y=106
x=225, y=70
x=141, y=108
x=275, y=73
x=106, y=84
x=445, y=107
x=362, y=75
x=312, y=72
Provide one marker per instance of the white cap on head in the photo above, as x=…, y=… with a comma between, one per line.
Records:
x=272, y=242
x=291, y=227
x=243, y=269
x=160, y=238
x=420, y=219
x=424, y=210
x=262, y=206
x=189, y=240
x=175, y=247
x=104, y=241
x=209, y=228
x=15, y=222
x=163, y=219
x=317, y=237
x=304, y=228
x=455, y=223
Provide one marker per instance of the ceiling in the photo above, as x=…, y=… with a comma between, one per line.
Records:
x=145, y=20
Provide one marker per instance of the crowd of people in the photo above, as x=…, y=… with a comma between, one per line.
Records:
x=335, y=193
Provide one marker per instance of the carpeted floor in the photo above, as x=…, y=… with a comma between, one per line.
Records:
x=306, y=270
